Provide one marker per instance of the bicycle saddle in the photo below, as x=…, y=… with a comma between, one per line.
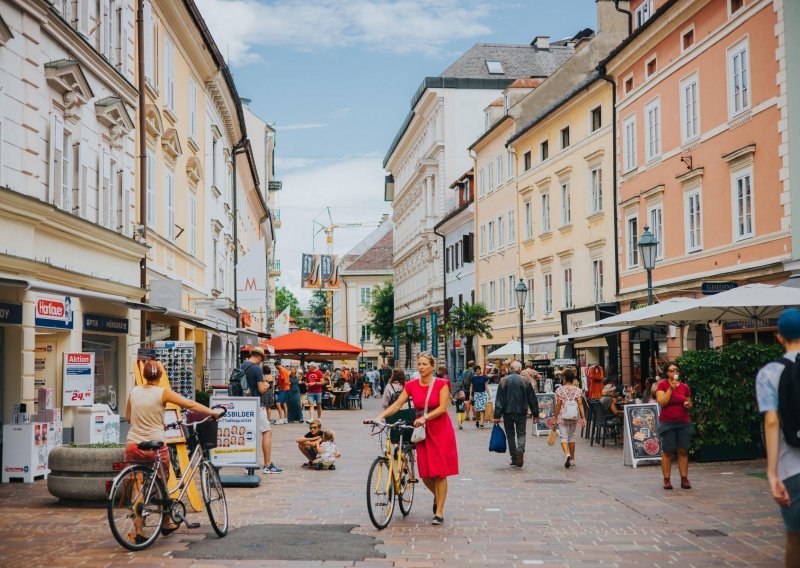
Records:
x=149, y=446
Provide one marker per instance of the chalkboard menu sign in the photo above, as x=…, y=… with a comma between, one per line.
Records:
x=547, y=410
x=642, y=442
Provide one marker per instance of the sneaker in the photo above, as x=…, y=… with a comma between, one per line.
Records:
x=272, y=468
x=685, y=483
x=437, y=520
x=319, y=466
x=567, y=463
x=332, y=467
x=571, y=463
x=460, y=426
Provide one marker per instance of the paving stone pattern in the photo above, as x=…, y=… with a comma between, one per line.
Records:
x=610, y=515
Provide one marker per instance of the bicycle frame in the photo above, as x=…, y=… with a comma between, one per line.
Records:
x=395, y=462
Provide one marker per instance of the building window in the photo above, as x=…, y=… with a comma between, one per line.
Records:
x=484, y=296
x=566, y=205
x=512, y=297
x=653, y=130
x=500, y=232
x=632, y=239
x=107, y=190
x=694, y=221
x=597, y=281
x=457, y=255
x=546, y=212
x=169, y=190
x=192, y=109
x=448, y=253
x=151, y=189
x=491, y=236
x=657, y=228
x=108, y=34
x=492, y=296
x=149, y=44
x=490, y=175
x=627, y=85
x=687, y=39
x=482, y=240
x=169, y=74
x=738, y=78
x=494, y=67
x=528, y=220
x=499, y=166
x=365, y=295
x=629, y=142
x=481, y=184
x=192, y=232
x=567, y=288
x=643, y=13
x=597, y=119
x=501, y=303
x=548, y=293
x=650, y=67
x=743, y=208
x=526, y=160
x=564, y=137
x=689, y=109
x=596, y=184
x=735, y=6
x=544, y=150
x=510, y=165
x=530, y=300
x=366, y=333
x=512, y=228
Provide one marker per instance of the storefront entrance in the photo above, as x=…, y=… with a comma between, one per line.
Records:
x=45, y=367
x=106, y=368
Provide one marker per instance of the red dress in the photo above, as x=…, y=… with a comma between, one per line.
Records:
x=437, y=454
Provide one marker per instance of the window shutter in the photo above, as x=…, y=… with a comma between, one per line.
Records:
x=104, y=217
x=151, y=198
x=148, y=42
x=66, y=177
x=82, y=17
x=122, y=48
x=56, y=157
x=127, y=202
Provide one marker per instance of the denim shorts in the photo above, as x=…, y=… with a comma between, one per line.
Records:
x=791, y=514
x=283, y=396
x=315, y=397
x=675, y=436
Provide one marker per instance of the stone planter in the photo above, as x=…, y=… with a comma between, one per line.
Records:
x=78, y=474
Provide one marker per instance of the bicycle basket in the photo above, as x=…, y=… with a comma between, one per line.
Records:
x=206, y=432
x=407, y=414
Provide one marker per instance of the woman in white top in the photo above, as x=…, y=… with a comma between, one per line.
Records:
x=569, y=410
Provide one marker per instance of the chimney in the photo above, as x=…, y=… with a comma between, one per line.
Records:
x=541, y=42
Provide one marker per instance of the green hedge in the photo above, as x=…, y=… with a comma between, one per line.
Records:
x=723, y=390
x=202, y=397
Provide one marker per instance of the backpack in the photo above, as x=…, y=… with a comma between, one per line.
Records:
x=395, y=394
x=571, y=409
x=237, y=383
x=789, y=401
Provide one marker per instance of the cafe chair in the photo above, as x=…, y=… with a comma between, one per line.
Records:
x=587, y=412
x=354, y=399
x=603, y=425
x=326, y=401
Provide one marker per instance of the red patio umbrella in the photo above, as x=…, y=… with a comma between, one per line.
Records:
x=304, y=344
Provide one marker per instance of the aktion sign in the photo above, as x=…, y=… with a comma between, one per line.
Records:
x=78, y=379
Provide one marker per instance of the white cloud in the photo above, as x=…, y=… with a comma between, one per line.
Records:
x=301, y=126
x=352, y=188
x=293, y=162
x=396, y=26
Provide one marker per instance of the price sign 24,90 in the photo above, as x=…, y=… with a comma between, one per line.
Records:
x=78, y=379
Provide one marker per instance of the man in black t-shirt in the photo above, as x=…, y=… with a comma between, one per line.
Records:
x=309, y=443
x=257, y=386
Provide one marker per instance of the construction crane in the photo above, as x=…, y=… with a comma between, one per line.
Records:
x=329, y=228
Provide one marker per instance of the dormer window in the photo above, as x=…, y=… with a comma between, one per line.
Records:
x=494, y=67
x=643, y=12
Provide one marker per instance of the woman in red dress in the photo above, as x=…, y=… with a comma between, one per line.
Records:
x=437, y=454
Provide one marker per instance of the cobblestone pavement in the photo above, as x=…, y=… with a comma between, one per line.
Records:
x=606, y=515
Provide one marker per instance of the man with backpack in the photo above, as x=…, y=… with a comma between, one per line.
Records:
x=254, y=385
x=514, y=397
x=778, y=393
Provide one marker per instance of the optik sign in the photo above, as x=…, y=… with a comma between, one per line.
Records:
x=53, y=311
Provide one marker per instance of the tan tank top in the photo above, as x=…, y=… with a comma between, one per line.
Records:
x=147, y=414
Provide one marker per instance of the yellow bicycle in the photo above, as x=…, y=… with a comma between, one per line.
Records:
x=391, y=474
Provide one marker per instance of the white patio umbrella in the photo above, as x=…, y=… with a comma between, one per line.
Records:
x=655, y=314
x=509, y=349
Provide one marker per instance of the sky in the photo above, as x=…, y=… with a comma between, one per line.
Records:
x=336, y=78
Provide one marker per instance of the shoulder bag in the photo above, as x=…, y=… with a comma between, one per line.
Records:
x=418, y=434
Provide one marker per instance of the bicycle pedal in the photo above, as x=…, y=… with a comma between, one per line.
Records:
x=190, y=525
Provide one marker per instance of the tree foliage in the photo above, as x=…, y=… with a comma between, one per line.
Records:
x=318, y=305
x=285, y=298
x=470, y=321
x=381, y=312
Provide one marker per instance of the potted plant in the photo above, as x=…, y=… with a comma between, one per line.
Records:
x=725, y=413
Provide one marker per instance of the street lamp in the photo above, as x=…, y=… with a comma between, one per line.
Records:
x=648, y=247
x=409, y=331
x=361, y=357
x=521, y=290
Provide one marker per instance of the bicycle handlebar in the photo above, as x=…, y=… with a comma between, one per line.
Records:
x=400, y=424
x=195, y=423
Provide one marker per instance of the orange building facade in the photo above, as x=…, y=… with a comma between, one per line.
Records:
x=698, y=120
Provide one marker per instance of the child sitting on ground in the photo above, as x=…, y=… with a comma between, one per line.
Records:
x=309, y=444
x=327, y=452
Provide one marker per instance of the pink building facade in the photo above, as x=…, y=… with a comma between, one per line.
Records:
x=698, y=121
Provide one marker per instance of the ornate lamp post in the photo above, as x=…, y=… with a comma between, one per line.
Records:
x=648, y=247
x=521, y=290
x=409, y=331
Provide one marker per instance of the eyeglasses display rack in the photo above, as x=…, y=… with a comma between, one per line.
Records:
x=177, y=357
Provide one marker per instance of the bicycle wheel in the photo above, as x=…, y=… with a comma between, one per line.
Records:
x=406, y=496
x=214, y=498
x=136, y=507
x=380, y=493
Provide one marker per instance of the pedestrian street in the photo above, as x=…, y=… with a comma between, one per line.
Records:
x=599, y=513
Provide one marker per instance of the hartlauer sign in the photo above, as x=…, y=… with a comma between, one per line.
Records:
x=53, y=311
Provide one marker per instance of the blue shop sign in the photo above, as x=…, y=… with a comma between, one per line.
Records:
x=10, y=313
x=107, y=324
x=711, y=288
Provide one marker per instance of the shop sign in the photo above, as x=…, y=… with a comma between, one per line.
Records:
x=578, y=319
x=641, y=440
x=563, y=362
x=53, y=311
x=107, y=324
x=237, y=432
x=10, y=313
x=78, y=379
x=711, y=288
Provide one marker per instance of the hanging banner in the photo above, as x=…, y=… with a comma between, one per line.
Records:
x=237, y=436
x=547, y=410
x=423, y=328
x=641, y=440
x=396, y=345
x=434, y=334
x=310, y=271
x=53, y=311
x=78, y=379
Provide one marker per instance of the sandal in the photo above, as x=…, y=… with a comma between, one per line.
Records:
x=668, y=484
